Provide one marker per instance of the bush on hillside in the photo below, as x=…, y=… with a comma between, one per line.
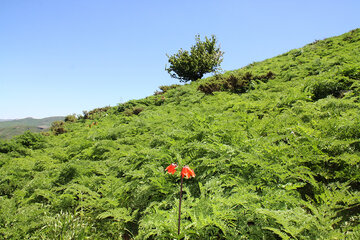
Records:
x=322, y=86
x=133, y=111
x=95, y=113
x=31, y=140
x=204, y=57
x=58, y=127
x=159, y=101
x=70, y=118
x=352, y=72
x=164, y=89
x=352, y=36
x=233, y=83
x=20, y=145
x=10, y=146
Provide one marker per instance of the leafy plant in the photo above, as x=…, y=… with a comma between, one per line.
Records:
x=233, y=83
x=58, y=127
x=70, y=118
x=204, y=57
x=164, y=89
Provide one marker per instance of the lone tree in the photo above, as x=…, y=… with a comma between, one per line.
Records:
x=204, y=57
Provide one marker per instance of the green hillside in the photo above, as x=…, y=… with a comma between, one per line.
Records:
x=11, y=128
x=275, y=147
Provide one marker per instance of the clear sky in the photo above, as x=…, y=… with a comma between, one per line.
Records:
x=59, y=57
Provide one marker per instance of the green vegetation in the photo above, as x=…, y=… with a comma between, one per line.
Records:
x=11, y=128
x=276, y=156
x=204, y=57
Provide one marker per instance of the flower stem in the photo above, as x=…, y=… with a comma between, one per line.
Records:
x=181, y=186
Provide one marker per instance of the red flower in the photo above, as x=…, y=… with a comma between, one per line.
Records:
x=171, y=168
x=187, y=172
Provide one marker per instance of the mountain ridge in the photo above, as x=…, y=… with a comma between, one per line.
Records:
x=10, y=128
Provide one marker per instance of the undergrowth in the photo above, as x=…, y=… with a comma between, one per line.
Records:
x=275, y=147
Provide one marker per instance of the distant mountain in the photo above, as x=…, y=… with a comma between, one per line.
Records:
x=5, y=120
x=10, y=128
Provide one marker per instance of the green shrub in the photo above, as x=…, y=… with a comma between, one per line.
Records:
x=133, y=111
x=352, y=72
x=95, y=113
x=31, y=140
x=160, y=100
x=352, y=36
x=67, y=173
x=164, y=89
x=6, y=147
x=233, y=83
x=58, y=127
x=70, y=118
x=204, y=57
x=323, y=86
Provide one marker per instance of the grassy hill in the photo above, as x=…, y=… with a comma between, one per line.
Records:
x=275, y=147
x=11, y=128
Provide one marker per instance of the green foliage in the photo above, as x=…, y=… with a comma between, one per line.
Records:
x=67, y=173
x=96, y=113
x=233, y=83
x=31, y=140
x=22, y=144
x=133, y=111
x=70, y=118
x=65, y=225
x=58, y=127
x=164, y=89
x=279, y=161
x=327, y=84
x=204, y=57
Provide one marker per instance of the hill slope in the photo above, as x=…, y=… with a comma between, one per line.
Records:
x=275, y=147
x=10, y=128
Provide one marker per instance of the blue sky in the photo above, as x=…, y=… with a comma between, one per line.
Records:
x=59, y=57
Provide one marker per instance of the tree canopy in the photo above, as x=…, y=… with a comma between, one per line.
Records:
x=204, y=57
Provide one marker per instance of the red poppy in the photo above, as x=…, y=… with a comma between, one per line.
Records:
x=171, y=168
x=187, y=172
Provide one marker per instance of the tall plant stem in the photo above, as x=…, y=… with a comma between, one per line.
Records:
x=181, y=186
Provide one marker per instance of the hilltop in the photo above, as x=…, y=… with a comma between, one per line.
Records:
x=275, y=147
x=13, y=127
